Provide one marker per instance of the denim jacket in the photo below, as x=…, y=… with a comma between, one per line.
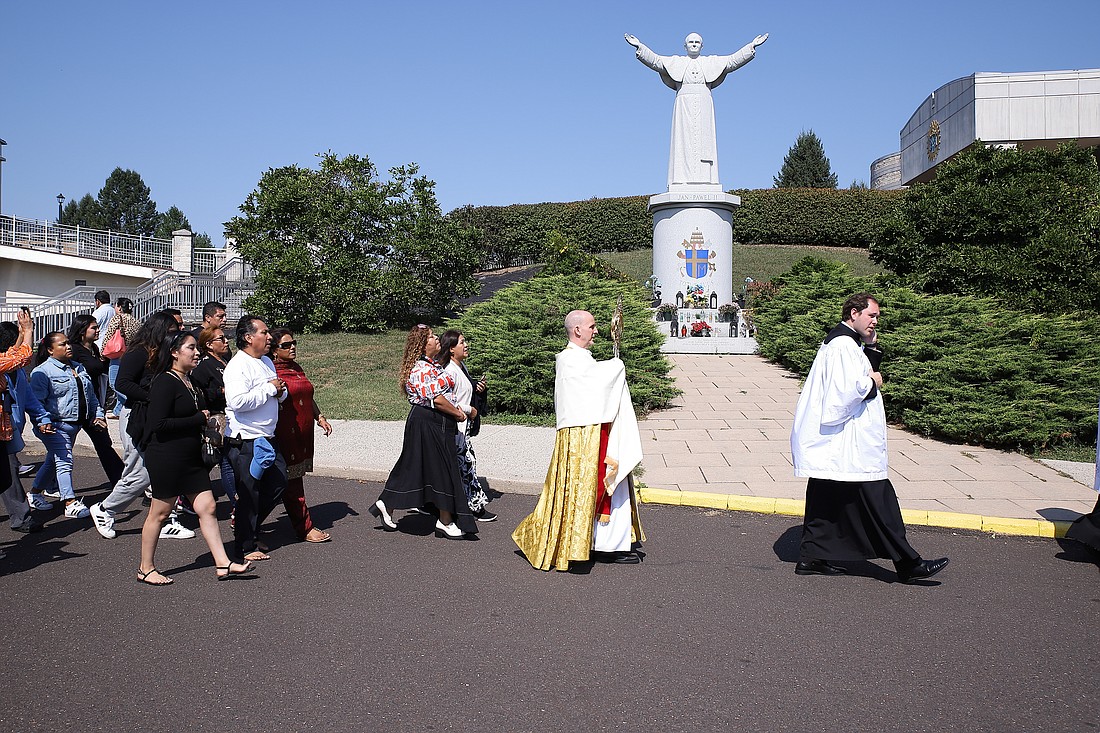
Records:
x=23, y=404
x=53, y=384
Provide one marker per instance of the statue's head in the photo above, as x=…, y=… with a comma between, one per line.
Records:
x=694, y=44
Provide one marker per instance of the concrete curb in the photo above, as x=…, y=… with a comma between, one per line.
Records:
x=797, y=507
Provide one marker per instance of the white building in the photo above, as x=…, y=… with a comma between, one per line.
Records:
x=1025, y=110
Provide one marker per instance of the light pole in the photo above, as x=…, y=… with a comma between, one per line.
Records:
x=60, y=200
x=3, y=142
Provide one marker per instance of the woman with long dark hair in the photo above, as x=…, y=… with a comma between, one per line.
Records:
x=294, y=432
x=207, y=376
x=172, y=442
x=135, y=374
x=65, y=391
x=426, y=474
x=471, y=397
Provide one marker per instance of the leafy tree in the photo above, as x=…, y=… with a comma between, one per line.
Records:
x=125, y=204
x=170, y=221
x=805, y=165
x=84, y=213
x=858, y=184
x=518, y=331
x=201, y=241
x=1003, y=222
x=335, y=248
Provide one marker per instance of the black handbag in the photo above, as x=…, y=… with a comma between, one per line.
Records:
x=212, y=434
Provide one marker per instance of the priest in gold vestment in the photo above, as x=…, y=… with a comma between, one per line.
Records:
x=588, y=508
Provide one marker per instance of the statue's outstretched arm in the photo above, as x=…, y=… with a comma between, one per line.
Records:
x=643, y=52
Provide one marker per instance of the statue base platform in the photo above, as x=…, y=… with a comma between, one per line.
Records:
x=693, y=243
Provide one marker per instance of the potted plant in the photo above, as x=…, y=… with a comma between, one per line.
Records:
x=700, y=328
x=666, y=312
x=728, y=312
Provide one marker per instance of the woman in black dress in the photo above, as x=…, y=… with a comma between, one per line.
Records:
x=173, y=457
x=83, y=332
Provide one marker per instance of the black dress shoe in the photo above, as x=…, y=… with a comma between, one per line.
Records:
x=617, y=558
x=28, y=527
x=817, y=567
x=923, y=569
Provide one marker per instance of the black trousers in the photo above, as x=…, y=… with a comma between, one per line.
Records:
x=854, y=520
x=256, y=498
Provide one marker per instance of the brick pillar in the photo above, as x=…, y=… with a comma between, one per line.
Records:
x=181, y=250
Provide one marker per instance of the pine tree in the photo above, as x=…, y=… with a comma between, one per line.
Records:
x=83, y=213
x=805, y=165
x=170, y=221
x=125, y=204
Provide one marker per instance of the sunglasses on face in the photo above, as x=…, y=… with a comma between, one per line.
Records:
x=287, y=344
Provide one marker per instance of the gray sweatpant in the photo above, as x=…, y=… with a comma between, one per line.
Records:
x=135, y=479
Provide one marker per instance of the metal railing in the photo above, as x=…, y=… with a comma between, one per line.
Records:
x=207, y=260
x=82, y=242
x=231, y=285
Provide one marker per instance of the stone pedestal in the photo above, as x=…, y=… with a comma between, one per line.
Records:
x=693, y=245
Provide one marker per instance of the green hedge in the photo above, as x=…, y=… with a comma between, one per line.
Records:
x=515, y=235
x=515, y=335
x=814, y=216
x=962, y=368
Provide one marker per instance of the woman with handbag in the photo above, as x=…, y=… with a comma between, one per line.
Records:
x=173, y=445
x=65, y=391
x=294, y=432
x=471, y=397
x=120, y=331
x=207, y=377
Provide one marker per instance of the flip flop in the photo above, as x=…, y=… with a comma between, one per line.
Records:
x=257, y=556
x=324, y=537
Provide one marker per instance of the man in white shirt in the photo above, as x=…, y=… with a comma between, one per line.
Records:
x=252, y=396
x=839, y=443
x=102, y=314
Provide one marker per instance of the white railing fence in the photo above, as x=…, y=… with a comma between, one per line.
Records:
x=82, y=242
x=187, y=292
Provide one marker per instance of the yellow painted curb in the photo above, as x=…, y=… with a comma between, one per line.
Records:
x=703, y=499
x=759, y=504
x=660, y=496
x=797, y=507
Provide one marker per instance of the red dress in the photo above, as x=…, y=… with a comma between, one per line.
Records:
x=294, y=434
x=294, y=431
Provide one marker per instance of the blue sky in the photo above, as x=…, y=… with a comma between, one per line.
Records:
x=498, y=102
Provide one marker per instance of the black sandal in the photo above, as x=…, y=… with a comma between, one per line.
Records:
x=142, y=578
x=231, y=573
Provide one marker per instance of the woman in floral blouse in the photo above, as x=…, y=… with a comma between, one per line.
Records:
x=427, y=474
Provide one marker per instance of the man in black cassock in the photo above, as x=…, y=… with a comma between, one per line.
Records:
x=839, y=443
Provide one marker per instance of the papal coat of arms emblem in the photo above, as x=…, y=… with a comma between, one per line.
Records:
x=697, y=257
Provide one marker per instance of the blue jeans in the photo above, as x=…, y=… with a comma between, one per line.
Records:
x=59, y=459
x=112, y=374
x=52, y=468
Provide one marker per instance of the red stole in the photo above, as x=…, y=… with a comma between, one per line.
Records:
x=603, y=499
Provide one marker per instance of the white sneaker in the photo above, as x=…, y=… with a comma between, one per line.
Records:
x=52, y=495
x=75, y=509
x=37, y=501
x=27, y=469
x=103, y=520
x=173, y=530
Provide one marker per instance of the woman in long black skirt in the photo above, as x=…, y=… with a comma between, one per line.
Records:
x=427, y=474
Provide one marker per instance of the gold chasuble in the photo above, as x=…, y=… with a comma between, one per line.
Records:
x=587, y=395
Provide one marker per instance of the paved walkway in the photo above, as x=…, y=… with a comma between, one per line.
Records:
x=726, y=444
x=729, y=434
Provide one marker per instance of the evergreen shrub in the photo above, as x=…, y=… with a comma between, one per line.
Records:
x=962, y=368
x=515, y=335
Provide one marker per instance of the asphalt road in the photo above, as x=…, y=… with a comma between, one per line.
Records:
x=403, y=631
